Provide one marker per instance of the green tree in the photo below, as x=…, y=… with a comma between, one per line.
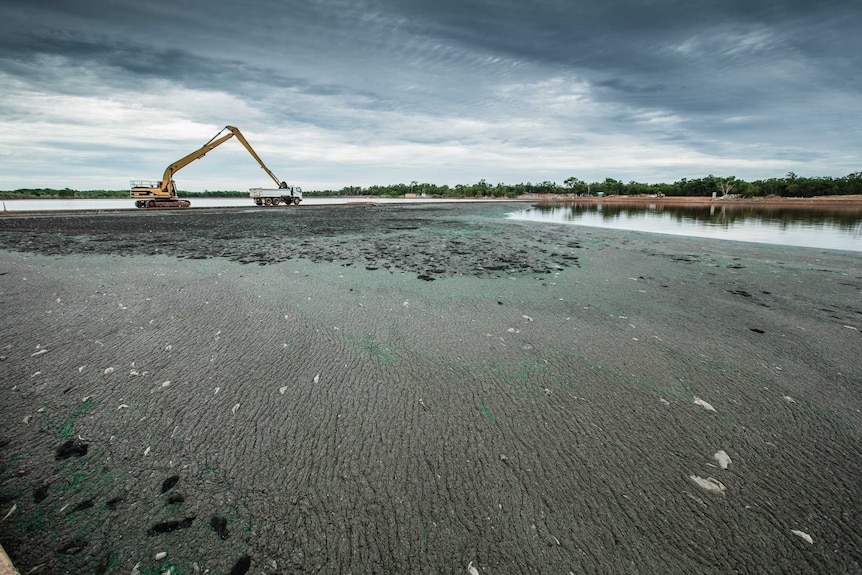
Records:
x=572, y=183
x=726, y=185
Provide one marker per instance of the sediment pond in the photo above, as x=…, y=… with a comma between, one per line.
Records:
x=837, y=228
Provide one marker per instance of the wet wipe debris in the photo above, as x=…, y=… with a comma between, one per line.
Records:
x=803, y=535
x=723, y=459
x=709, y=484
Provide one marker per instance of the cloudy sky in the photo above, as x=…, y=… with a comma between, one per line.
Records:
x=94, y=93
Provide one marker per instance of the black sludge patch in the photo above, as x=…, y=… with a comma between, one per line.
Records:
x=168, y=526
x=41, y=494
x=219, y=524
x=242, y=566
x=169, y=482
x=70, y=448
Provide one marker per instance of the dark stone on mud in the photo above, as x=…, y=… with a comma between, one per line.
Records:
x=82, y=505
x=168, y=526
x=176, y=498
x=169, y=482
x=73, y=547
x=242, y=566
x=114, y=503
x=755, y=330
x=41, y=494
x=102, y=566
x=219, y=524
x=72, y=447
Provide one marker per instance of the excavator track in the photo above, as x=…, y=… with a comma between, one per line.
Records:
x=162, y=204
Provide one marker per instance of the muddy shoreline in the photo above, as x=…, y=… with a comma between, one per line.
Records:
x=357, y=389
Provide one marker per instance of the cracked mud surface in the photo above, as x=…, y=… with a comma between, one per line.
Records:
x=531, y=410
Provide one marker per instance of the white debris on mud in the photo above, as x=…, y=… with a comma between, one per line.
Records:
x=709, y=484
x=723, y=459
x=703, y=404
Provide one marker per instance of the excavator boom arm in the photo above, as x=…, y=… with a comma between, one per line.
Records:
x=199, y=153
x=214, y=142
x=235, y=131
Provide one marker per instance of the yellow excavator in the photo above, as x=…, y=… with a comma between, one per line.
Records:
x=149, y=194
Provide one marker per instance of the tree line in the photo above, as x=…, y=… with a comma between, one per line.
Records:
x=791, y=185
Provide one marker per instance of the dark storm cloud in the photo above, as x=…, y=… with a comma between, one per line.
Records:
x=680, y=50
x=640, y=48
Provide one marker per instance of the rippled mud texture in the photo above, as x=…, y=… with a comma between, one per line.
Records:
x=559, y=399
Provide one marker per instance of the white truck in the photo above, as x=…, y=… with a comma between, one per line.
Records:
x=274, y=197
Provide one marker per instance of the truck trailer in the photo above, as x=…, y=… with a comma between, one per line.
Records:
x=274, y=197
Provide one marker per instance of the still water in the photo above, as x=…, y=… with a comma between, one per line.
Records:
x=830, y=229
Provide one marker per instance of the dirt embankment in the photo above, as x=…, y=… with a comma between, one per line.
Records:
x=270, y=391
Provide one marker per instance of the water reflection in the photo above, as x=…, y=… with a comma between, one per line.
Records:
x=832, y=228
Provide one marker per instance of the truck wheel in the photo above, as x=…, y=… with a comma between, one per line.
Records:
x=258, y=201
x=296, y=201
x=275, y=201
